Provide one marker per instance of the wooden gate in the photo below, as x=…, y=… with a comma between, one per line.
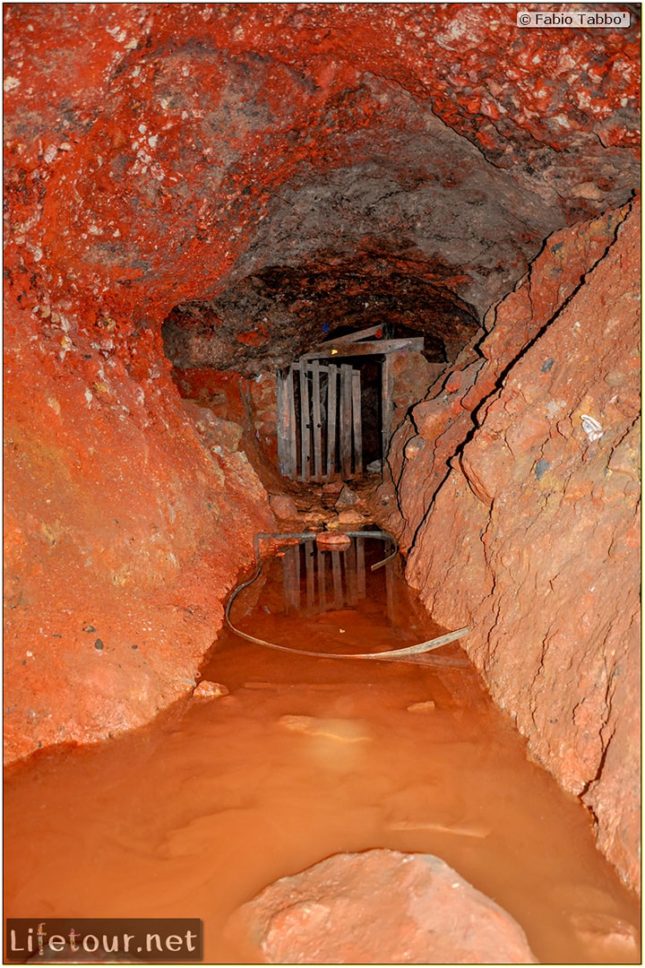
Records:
x=319, y=421
x=319, y=407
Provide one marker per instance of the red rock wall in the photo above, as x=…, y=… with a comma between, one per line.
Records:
x=528, y=531
x=249, y=403
x=425, y=444
x=145, y=147
x=123, y=535
x=221, y=391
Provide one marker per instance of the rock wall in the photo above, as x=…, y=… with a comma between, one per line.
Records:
x=123, y=533
x=250, y=403
x=172, y=154
x=526, y=454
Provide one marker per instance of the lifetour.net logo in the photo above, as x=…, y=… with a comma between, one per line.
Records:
x=614, y=19
x=130, y=940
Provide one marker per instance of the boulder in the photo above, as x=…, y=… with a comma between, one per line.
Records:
x=379, y=907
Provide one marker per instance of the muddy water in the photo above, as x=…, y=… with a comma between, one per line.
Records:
x=194, y=815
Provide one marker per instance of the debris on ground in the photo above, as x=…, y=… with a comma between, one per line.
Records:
x=209, y=690
x=426, y=706
x=343, y=730
x=283, y=506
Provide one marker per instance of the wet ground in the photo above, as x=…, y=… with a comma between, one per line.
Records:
x=305, y=758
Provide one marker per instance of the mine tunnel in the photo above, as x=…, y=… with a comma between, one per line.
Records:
x=322, y=416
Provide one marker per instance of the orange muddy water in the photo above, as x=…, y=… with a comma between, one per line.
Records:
x=309, y=757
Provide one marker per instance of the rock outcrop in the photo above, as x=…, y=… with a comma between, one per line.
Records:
x=127, y=518
x=380, y=907
x=519, y=491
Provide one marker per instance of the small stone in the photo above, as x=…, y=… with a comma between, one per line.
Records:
x=422, y=707
x=333, y=487
x=98, y=645
x=283, y=506
x=413, y=448
x=347, y=498
x=342, y=730
x=89, y=628
x=314, y=517
x=605, y=931
x=334, y=541
x=591, y=427
x=454, y=381
x=209, y=690
x=588, y=190
x=329, y=493
x=615, y=378
x=541, y=468
x=350, y=517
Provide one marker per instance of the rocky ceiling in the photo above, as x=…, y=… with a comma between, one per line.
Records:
x=417, y=227
x=256, y=175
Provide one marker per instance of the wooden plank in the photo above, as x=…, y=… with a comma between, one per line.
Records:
x=286, y=419
x=305, y=426
x=332, y=411
x=281, y=424
x=357, y=426
x=346, y=421
x=291, y=429
x=321, y=564
x=324, y=391
x=386, y=408
x=338, y=579
x=369, y=347
x=360, y=568
x=361, y=334
x=316, y=419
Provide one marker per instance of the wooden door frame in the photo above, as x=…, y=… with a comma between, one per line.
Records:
x=336, y=352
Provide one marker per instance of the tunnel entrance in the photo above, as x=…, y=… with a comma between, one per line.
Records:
x=334, y=407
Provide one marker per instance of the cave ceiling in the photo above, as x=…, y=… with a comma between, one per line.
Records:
x=262, y=174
